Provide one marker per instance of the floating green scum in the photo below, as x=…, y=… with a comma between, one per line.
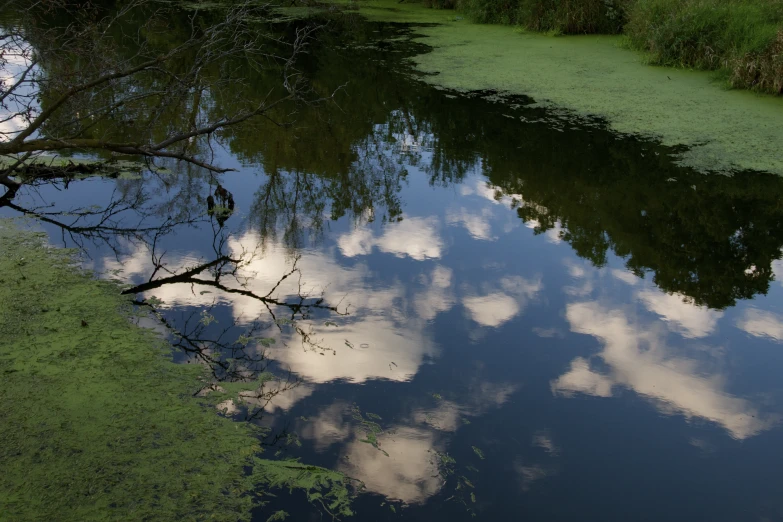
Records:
x=595, y=76
x=97, y=422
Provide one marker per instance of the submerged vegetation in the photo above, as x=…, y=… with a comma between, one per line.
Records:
x=100, y=424
x=743, y=39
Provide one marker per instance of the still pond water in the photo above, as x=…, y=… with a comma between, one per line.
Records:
x=497, y=313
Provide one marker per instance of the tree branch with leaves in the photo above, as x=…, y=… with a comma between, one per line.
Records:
x=98, y=81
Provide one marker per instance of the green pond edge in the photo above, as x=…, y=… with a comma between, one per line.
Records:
x=98, y=423
x=596, y=76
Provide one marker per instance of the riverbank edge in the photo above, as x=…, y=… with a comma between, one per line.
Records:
x=98, y=423
x=740, y=41
x=583, y=78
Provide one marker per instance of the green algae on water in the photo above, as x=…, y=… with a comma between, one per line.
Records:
x=99, y=424
x=65, y=167
x=593, y=76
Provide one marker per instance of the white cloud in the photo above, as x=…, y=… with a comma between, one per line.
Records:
x=761, y=324
x=498, y=307
x=530, y=474
x=408, y=470
x=492, y=309
x=437, y=295
x=476, y=224
x=637, y=359
x=285, y=400
x=552, y=235
x=625, y=276
x=409, y=473
x=16, y=60
x=584, y=283
x=415, y=237
x=704, y=445
x=388, y=338
x=480, y=187
x=267, y=397
x=402, y=467
x=548, y=332
x=688, y=319
x=359, y=242
x=327, y=428
x=520, y=287
x=448, y=415
x=777, y=269
x=580, y=378
x=380, y=349
x=575, y=271
x=544, y=441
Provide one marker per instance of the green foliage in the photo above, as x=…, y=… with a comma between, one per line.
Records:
x=277, y=516
x=372, y=429
x=99, y=424
x=231, y=390
x=440, y=4
x=699, y=33
x=743, y=38
x=597, y=192
x=692, y=241
x=63, y=166
x=462, y=485
x=325, y=487
x=560, y=16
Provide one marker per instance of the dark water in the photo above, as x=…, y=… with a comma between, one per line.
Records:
x=544, y=321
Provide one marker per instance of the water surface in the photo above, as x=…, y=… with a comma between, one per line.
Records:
x=476, y=309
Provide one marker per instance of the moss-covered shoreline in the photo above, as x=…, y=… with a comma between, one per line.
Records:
x=742, y=39
x=717, y=130
x=97, y=422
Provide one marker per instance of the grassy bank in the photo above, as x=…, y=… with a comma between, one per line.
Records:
x=99, y=424
x=742, y=39
x=714, y=129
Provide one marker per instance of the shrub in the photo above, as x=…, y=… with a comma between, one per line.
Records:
x=761, y=71
x=744, y=38
x=440, y=4
x=562, y=16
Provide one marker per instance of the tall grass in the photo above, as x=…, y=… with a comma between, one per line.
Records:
x=440, y=4
x=561, y=16
x=741, y=38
